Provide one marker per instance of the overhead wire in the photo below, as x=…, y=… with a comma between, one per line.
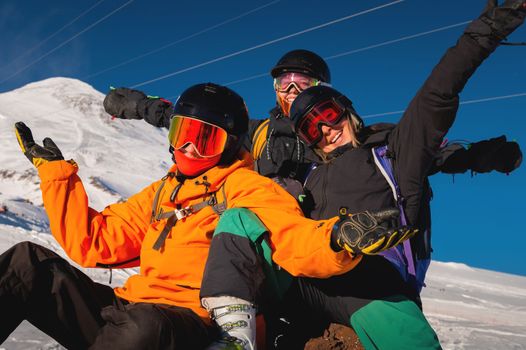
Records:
x=388, y=42
x=467, y=102
x=180, y=40
x=42, y=42
x=362, y=49
x=66, y=42
x=397, y=40
x=237, y=53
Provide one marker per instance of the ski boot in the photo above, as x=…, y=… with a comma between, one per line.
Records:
x=237, y=320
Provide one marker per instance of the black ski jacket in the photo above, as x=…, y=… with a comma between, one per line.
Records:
x=350, y=176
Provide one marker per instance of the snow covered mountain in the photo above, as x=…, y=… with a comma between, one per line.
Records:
x=469, y=308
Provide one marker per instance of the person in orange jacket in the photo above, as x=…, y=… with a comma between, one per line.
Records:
x=166, y=229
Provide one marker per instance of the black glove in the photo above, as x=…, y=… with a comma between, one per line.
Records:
x=497, y=22
x=494, y=154
x=36, y=154
x=122, y=103
x=369, y=233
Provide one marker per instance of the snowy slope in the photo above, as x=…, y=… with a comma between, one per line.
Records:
x=115, y=157
x=475, y=309
x=470, y=308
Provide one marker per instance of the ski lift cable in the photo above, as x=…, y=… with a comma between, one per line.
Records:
x=366, y=48
x=66, y=42
x=397, y=40
x=53, y=35
x=252, y=77
x=180, y=40
x=237, y=53
x=467, y=102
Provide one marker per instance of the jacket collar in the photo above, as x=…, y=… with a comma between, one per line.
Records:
x=210, y=181
x=279, y=124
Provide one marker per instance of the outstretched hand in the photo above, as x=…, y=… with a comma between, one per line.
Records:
x=36, y=154
x=497, y=21
x=369, y=232
x=495, y=154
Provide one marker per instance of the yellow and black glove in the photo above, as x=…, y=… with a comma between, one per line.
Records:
x=369, y=233
x=36, y=154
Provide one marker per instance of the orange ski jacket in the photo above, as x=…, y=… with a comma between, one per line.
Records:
x=172, y=274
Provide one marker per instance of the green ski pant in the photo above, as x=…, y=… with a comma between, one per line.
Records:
x=395, y=324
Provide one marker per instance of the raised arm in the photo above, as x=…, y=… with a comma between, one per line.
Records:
x=111, y=237
x=417, y=138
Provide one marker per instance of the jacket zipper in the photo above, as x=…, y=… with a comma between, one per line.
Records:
x=111, y=266
x=324, y=190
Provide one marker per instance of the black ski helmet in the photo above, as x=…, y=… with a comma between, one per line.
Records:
x=312, y=96
x=303, y=61
x=220, y=106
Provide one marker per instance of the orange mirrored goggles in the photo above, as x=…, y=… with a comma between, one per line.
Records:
x=209, y=140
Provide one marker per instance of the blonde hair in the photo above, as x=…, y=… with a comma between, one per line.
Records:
x=357, y=126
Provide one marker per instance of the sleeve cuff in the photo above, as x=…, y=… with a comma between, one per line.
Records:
x=57, y=170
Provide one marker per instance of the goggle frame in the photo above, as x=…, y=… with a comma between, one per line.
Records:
x=201, y=139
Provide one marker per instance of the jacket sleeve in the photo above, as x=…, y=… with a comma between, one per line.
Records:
x=89, y=237
x=417, y=138
x=300, y=245
x=451, y=159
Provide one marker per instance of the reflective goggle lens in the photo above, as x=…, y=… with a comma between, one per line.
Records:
x=300, y=81
x=326, y=112
x=209, y=140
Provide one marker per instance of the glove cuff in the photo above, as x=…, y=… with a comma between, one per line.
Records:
x=335, y=246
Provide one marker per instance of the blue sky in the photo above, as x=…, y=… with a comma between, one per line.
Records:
x=379, y=52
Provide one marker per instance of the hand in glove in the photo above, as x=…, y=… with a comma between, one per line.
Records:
x=369, y=233
x=123, y=102
x=36, y=154
x=495, y=154
x=497, y=22
x=126, y=103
